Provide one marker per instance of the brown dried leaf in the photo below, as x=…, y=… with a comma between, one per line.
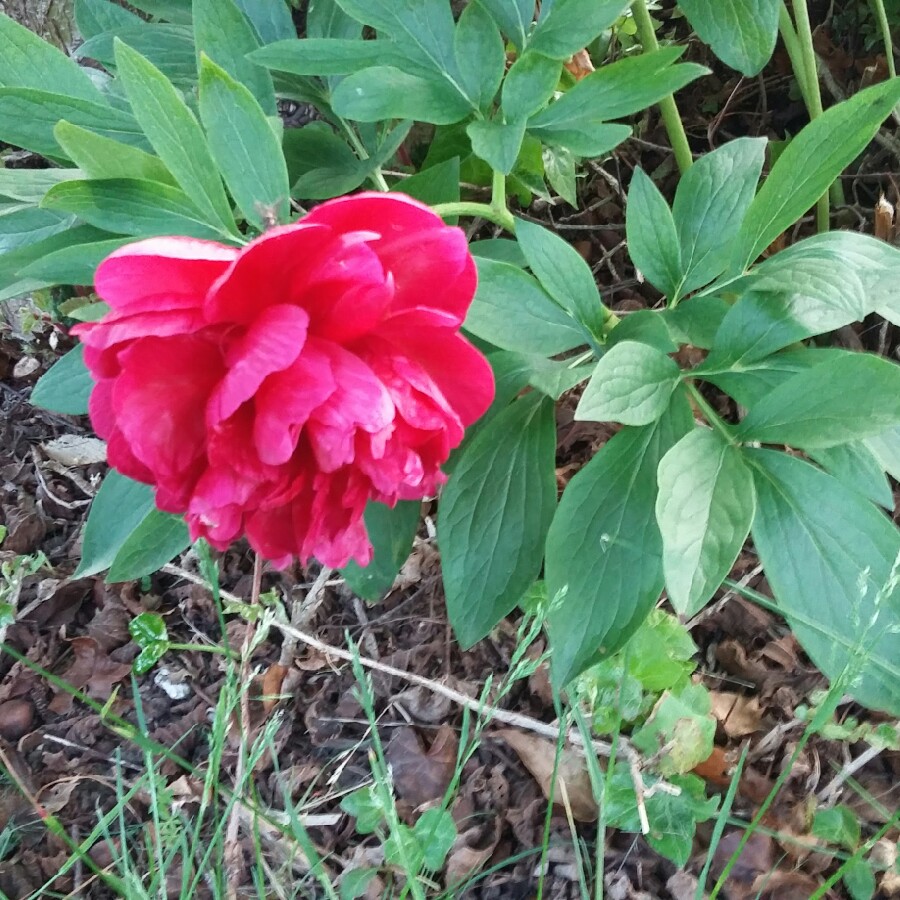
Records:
x=75, y=450
x=738, y=714
x=580, y=65
x=884, y=219
x=471, y=850
x=573, y=782
x=271, y=686
x=419, y=776
x=756, y=860
x=91, y=669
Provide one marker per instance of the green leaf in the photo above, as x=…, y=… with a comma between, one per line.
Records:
x=320, y=163
x=158, y=539
x=695, y=320
x=858, y=468
x=529, y=84
x=555, y=377
x=245, y=148
x=653, y=242
x=497, y=143
x=271, y=19
x=101, y=157
x=604, y=549
x=704, y=509
x=741, y=33
x=646, y=326
x=585, y=139
x=129, y=206
x=567, y=26
x=22, y=225
x=118, y=509
x=837, y=825
x=385, y=92
x=830, y=558
x=168, y=47
x=859, y=879
x=563, y=273
x=73, y=265
x=148, y=631
x=364, y=806
x=93, y=17
x=886, y=447
x=809, y=164
x=66, y=386
x=28, y=117
x=854, y=397
x=494, y=514
x=619, y=89
x=511, y=311
x=391, y=532
x=355, y=883
x=560, y=169
x=710, y=204
x=513, y=17
x=325, y=56
x=632, y=384
x=27, y=61
x=222, y=33
x=30, y=185
x=499, y=250
x=177, y=11
x=480, y=55
x=436, y=184
x=175, y=135
x=436, y=832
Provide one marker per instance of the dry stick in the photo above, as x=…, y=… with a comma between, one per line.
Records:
x=517, y=720
x=232, y=847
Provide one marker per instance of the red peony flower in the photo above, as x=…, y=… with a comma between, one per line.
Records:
x=272, y=391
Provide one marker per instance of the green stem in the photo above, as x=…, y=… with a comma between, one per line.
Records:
x=501, y=217
x=814, y=98
x=885, y=28
x=795, y=53
x=362, y=153
x=712, y=417
x=669, y=111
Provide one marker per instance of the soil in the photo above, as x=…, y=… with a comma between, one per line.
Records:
x=66, y=758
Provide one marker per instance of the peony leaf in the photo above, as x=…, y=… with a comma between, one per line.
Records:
x=653, y=241
x=155, y=541
x=66, y=386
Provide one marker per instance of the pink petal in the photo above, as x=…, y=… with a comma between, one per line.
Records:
x=384, y=214
x=272, y=342
x=161, y=273
x=114, y=329
x=285, y=401
x=272, y=269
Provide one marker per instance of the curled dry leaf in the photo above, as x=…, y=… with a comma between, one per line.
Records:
x=738, y=715
x=422, y=776
x=538, y=755
x=580, y=65
x=471, y=850
x=75, y=450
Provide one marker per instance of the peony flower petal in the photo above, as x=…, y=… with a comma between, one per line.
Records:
x=116, y=329
x=271, y=343
x=161, y=273
x=159, y=400
x=383, y=214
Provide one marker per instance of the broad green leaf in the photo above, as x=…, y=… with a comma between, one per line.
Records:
x=696, y=320
x=168, y=47
x=604, y=549
x=326, y=19
x=391, y=532
x=129, y=206
x=653, y=242
x=93, y=17
x=619, y=89
x=24, y=225
x=741, y=33
x=854, y=397
x=437, y=184
x=271, y=19
x=480, y=55
x=567, y=26
x=646, y=326
x=385, y=92
x=497, y=143
x=563, y=273
x=320, y=163
x=175, y=135
x=511, y=311
x=30, y=185
x=529, y=84
x=514, y=18
x=28, y=117
x=704, y=510
x=554, y=377
x=176, y=11
x=632, y=384
x=118, y=509
x=436, y=832
x=101, y=157
x=712, y=198
x=858, y=468
x=886, y=447
x=73, y=265
x=831, y=559
x=561, y=171
x=66, y=386
x=27, y=61
x=838, y=825
x=585, y=139
x=245, y=148
x=222, y=33
x=859, y=878
x=494, y=514
x=158, y=539
x=809, y=164
x=500, y=250
x=325, y=56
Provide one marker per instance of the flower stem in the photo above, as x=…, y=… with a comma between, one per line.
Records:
x=885, y=28
x=376, y=175
x=813, y=95
x=669, y=111
x=711, y=416
x=501, y=217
